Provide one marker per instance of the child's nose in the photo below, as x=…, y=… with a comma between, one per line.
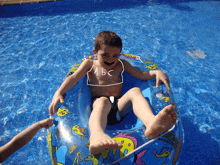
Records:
x=110, y=59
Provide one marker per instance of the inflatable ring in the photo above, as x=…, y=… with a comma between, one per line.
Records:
x=68, y=138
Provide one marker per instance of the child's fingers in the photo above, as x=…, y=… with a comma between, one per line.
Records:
x=50, y=123
x=51, y=109
x=157, y=83
x=47, y=123
x=168, y=86
x=51, y=119
x=56, y=100
x=62, y=101
x=54, y=107
x=167, y=83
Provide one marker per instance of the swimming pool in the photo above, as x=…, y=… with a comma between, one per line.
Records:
x=40, y=42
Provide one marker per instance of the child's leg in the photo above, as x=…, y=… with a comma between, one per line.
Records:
x=154, y=124
x=97, y=123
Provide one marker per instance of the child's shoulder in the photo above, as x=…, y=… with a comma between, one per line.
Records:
x=87, y=64
x=125, y=62
x=127, y=65
x=88, y=61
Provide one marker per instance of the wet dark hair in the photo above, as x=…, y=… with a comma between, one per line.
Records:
x=107, y=38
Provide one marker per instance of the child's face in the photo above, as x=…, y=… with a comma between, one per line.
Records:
x=107, y=56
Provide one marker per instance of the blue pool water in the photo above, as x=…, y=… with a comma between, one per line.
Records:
x=40, y=42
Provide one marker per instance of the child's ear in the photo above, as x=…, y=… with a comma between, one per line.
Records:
x=94, y=52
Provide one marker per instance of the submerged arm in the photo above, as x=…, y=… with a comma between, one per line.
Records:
x=23, y=138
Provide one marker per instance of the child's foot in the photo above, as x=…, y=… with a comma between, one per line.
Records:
x=100, y=142
x=162, y=122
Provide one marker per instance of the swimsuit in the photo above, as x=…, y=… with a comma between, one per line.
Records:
x=113, y=116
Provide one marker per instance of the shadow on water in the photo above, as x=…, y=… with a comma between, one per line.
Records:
x=198, y=148
x=81, y=6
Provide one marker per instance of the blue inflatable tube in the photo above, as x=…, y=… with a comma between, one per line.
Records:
x=68, y=138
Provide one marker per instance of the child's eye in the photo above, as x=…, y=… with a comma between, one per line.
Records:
x=105, y=55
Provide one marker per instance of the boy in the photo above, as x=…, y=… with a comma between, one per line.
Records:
x=105, y=82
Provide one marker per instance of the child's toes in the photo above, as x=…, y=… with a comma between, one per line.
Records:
x=168, y=109
x=173, y=113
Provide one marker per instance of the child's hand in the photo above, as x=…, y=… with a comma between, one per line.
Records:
x=46, y=123
x=57, y=98
x=161, y=76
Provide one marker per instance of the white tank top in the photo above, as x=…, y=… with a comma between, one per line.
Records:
x=108, y=73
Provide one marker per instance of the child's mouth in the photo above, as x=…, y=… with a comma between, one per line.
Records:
x=107, y=63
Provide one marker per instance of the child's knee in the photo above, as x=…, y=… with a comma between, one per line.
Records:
x=135, y=90
x=102, y=101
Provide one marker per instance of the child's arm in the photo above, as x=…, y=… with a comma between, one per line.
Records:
x=147, y=75
x=23, y=138
x=68, y=83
